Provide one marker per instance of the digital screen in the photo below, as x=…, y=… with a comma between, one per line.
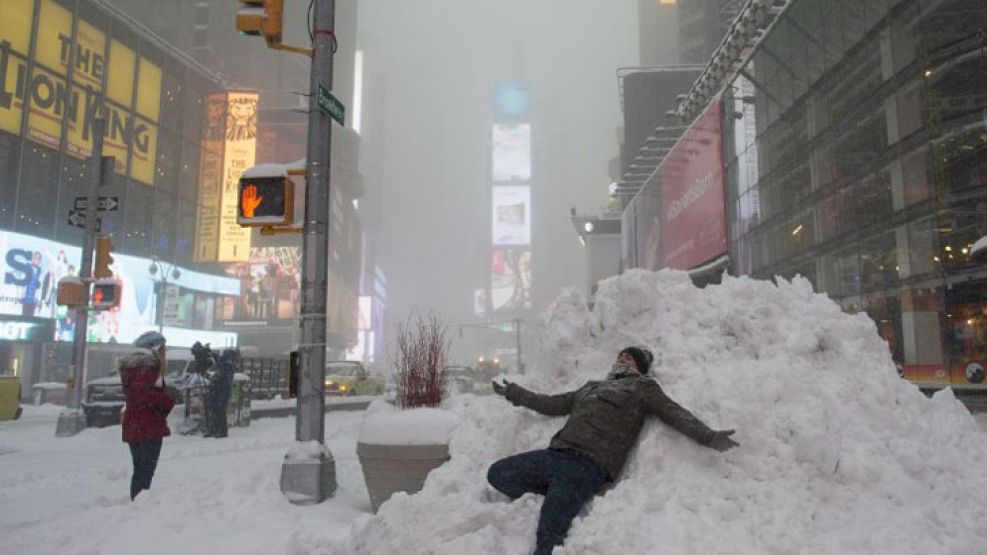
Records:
x=511, y=152
x=510, y=279
x=512, y=98
x=512, y=215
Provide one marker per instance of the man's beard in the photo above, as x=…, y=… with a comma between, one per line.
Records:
x=621, y=370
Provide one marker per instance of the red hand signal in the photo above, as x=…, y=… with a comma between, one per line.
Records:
x=250, y=201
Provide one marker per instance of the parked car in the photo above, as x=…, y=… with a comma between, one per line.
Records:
x=350, y=378
x=102, y=399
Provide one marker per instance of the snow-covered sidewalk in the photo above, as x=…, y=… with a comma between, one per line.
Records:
x=70, y=495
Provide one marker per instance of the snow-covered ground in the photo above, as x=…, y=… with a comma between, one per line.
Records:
x=837, y=454
x=216, y=496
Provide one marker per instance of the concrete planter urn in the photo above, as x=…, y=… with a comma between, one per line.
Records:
x=398, y=448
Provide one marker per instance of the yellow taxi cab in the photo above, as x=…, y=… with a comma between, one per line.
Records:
x=10, y=397
x=351, y=378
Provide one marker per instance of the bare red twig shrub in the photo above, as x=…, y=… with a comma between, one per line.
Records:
x=422, y=350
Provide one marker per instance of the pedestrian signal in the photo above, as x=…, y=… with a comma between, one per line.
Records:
x=106, y=294
x=265, y=201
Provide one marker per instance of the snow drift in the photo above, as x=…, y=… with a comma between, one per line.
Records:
x=837, y=453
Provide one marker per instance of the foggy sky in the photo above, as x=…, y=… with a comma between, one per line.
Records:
x=436, y=64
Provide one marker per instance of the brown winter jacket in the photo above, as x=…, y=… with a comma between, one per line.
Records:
x=607, y=416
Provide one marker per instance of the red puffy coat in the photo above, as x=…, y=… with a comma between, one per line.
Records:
x=145, y=416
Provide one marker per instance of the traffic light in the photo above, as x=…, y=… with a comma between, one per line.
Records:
x=104, y=246
x=265, y=201
x=261, y=17
x=106, y=294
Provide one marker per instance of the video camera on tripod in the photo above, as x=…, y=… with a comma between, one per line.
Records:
x=205, y=358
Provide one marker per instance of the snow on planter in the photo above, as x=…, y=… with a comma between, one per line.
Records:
x=837, y=453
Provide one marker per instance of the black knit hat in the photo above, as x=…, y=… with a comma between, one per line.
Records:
x=642, y=358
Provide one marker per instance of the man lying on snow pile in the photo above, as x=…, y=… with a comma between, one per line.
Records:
x=605, y=419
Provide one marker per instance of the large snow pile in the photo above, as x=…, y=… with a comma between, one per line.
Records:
x=837, y=453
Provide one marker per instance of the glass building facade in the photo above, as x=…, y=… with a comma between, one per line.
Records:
x=62, y=63
x=856, y=156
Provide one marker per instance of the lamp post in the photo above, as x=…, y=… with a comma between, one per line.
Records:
x=162, y=283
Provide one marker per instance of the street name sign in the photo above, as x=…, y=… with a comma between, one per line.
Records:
x=331, y=106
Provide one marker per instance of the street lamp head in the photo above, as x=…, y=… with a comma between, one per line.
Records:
x=979, y=250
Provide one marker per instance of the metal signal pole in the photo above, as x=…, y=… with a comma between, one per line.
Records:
x=308, y=475
x=71, y=420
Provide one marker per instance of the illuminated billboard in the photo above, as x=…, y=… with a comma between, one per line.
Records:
x=512, y=215
x=229, y=147
x=130, y=102
x=270, y=285
x=30, y=268
x=510, y=279
x=512, y=98
x=479, y=302
x=511, y=152
x=694, y=223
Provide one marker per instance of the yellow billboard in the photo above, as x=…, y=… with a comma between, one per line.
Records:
x=120, y=79
x=210, y=179
x=17, y=16
x=229, y=147
x=53, y=102
x=13, y=70
x=15, y=42
x=48, y=101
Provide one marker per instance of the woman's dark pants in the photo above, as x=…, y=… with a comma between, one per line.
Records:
x=145, y=455
x=566, y=478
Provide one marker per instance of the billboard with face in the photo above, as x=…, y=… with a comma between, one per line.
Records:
x=30, y=268
x=694, y=223
x=512, y=215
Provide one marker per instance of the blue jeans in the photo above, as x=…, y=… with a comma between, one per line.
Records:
x=567, y=479
x=145, y=455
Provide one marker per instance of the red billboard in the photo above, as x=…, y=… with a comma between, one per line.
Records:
x=694, y=221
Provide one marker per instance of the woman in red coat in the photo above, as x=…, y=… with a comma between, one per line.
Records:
x=148, y=404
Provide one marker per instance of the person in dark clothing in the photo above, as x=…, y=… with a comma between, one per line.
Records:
x=605, y=419
x=147, y=406
x=219, y=394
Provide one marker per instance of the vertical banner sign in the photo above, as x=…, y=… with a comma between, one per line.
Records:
x=240, y=147
x=210, y=179
x=694, y=223
x=15, y=37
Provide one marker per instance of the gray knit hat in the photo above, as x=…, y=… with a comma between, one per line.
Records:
x=642, y=358
x=150, y=340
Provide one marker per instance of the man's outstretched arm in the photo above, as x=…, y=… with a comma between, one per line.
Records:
x=550, y=405
x=686, y=423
